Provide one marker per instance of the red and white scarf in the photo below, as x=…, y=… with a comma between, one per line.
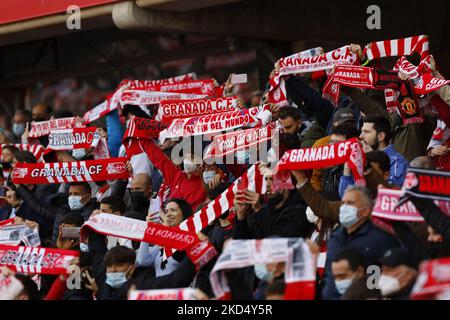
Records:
x=169, y=237
x=170, y=110
x=300, y=270
x=36, y=260
x=10, y=287
x=213, y=123
x=386, y=207
x=77, y=171
x=144, y=84
x=143, y=128
x=397, y=47
x=163, y=294
x=71, y=139
x=142, y=97
x=36, y=149
x=229, y=143
x=327, y=156
x=195, y=87
x=433, y=279
x=306, y=61
x=99, y=111
x=39, y=129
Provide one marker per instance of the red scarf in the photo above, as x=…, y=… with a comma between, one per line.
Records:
x=143, y=84
x=70, y=139
x=36, y=260
x=170, y=110
x=142, y=97
x=327, y=156
x=398, y=47
x=213, y=123
x=433, y=279
x=64, y=172
x=163, y=294
x=39, y=129
x=143, y=128
x=196, y=87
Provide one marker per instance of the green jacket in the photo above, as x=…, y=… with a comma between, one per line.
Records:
x=310, y=132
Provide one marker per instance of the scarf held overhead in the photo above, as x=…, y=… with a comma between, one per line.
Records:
x=64, y=172
x=428, y=184
x=143, y=128
x=71, y=139
x=42, y=128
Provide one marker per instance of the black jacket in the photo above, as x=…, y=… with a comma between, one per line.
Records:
x=33, y=200
x=433, y=216
x=288, y=221
x=143, y=277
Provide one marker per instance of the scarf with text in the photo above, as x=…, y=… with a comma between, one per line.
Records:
x=163, y=294
x=213, y=123
x=143, y=128
x=142, y=97
x=307, y=61
x=433, y=279
x=76, y=171
x=299, y=273
x=144, y=84
x=428, y=184
x=327, y=156
x=195, y=87
x=42, y=128
x=36, y=260
x=397, y=47
x=169, y=237
x=386, y=207
x=71, y=139
x=36, y=149
x=228, y=143
x=170, y=110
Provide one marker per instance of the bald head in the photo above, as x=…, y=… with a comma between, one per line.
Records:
x=142, y=182
x=423, y=162
x=41, y=112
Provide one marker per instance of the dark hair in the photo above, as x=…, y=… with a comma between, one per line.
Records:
x=73, y=218
x=135, y=215
x=292, y=112
x=381, y=158
x=29, y=286
x=115, y=202
x=277, y=287
x=14, y=150
x=25, y=156
x=25, y=113
x=380, y=124
x=85, y=186
x=354, y=257
x=289, y=141
x=119, y=254
x=359, y=290
x=48, y=108
x=217, y=190
x=58, y=114
x=185, y=207
x=347, y=130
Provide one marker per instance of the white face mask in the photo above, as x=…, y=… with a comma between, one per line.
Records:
x=75, y=202
x=189, y=166
x=208, y=176
x=262, y=273
x=84, y=247
x=388, y=285
x=312, y=218
x=342, y=285
x=18, y=129
x=241, y=156
x=78, y=153
x=348, y=215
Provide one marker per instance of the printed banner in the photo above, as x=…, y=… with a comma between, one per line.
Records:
x=71, y=139
x=212, y=123
x=163, y=294
x=39, y=129
x=229, y=143
x=36, y=260
x=427, y=184
x=170, y=110
x=77, y=171
x=327, y=156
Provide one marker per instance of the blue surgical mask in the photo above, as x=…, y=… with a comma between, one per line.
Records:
x=348, y=215
x=116, y=279
x=84, y=247
x=78, y=153
x=262, y=273
x=342, y=285
x=75, y=202
x=189, y=166
x=18, y=129
x=208, y=176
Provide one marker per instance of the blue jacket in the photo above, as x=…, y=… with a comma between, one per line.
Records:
x=369, y=239
x=399, y=165
x=115, y=132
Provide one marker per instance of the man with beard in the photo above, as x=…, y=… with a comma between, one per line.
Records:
x=283, y=215
x=376, y=134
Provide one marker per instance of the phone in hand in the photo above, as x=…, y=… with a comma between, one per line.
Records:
x=70, y=232
x=239, y=78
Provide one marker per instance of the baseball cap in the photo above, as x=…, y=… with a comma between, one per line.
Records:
x=396, y=257
x=343, y=115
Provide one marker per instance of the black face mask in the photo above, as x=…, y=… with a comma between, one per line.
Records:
x=6, y=165
x=139, y=201
x=38, y=119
